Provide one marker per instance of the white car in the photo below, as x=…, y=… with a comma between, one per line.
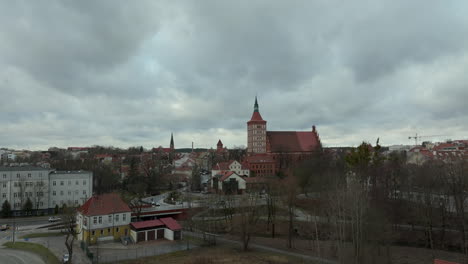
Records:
x=66, y=258
x=54, y=219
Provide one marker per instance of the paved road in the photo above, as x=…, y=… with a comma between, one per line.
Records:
x=10, y=256
x=32, y=220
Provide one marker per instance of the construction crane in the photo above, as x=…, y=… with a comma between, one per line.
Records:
x=416, y=137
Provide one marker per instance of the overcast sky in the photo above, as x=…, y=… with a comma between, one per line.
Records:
x=128, y=73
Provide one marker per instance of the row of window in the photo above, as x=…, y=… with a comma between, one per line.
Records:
x=69, y=202
x=259, y=131
x=97, y=219
x=69, y=182
x=263, y=166
x=39, y=194
x=18, y=175
x=54, y=193
x=263, y=171
x=18, y=205
x=108, y=231
x=26, y=184
x=26, y=194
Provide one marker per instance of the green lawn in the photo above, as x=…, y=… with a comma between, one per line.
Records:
x=217, y=254
x=50, y=234
x=43, y=252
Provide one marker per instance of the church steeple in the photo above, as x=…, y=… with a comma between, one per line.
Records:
x=171, y=146
x=256, y=105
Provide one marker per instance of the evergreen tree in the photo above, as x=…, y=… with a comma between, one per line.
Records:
x=28, y=206
x=6, y=209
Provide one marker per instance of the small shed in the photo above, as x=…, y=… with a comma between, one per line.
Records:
x=164, y=228
x=173, y=230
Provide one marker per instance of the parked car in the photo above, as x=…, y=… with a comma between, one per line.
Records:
x=155, y=204
x=66, y=258
x=54, y=219
x=4, y=227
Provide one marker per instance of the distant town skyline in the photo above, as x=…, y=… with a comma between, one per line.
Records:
x=114, y=73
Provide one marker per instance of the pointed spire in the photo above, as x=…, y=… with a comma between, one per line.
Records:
x=172, y=142
x=256, y=105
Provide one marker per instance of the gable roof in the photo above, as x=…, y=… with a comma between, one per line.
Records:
x=171, y=223
x=225, y=175
x=108, y=203
x=292, y=141
x=146, y=224
x=225, y=165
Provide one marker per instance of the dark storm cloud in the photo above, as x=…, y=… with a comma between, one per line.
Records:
x=124, y=73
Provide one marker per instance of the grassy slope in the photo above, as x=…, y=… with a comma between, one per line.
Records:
x=34, y=235
x=43, y=252
x=218, y=254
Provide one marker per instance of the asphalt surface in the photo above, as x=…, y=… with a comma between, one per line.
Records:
x=21, y=221
x=10, y=256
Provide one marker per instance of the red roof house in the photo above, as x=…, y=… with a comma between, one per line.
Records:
x=104, y=204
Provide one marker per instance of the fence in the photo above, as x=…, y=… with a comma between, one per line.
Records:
x=107, y=255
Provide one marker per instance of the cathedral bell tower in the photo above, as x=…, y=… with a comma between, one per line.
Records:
x=256, y=132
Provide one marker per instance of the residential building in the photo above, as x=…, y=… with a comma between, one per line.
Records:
x=45, y=187
x=232, y=165
x=18, y=184
x=72, y=188
x=103, y=218
x=228, y=182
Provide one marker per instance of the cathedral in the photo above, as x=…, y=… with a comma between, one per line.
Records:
x=272, y=151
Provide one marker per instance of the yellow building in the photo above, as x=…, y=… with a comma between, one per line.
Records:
x=102, y=218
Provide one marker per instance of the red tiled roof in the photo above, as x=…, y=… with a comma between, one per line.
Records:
x=442, y=146
x=256, y=117
x=292, y=141
x=103, y=204
x=439, y=261
x=226, y=175
x=147, y=224
x=222, y=166
x=171, y=223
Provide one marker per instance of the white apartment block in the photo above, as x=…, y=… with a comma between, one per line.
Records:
x=18, y=184
x=72, y=188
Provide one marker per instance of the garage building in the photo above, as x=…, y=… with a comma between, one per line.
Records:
x=164, y=228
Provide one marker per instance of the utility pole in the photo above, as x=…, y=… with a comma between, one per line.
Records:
x=14, y=228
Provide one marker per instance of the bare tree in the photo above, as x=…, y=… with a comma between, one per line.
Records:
x=248, y=216
x=39, y=189
x=70, y=230
x=457, y=184
x=289, y=199
x=272, y=199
